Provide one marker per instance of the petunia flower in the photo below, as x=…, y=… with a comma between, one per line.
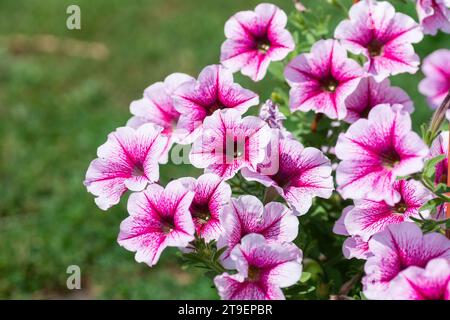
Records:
x=127, y=161
x=211, y=195
x=434, y=15
x=229, y=143
x=302, y=174
x=322, y=79
x=157, y=107
x=429, y=283
x=369, y=217
x=436, y=84
x=159, y=218
x=263, y=269
x=395, y=249
x=439, y=147
x=246, y=215
x=353, y=246
x=254, y=39
x=370, y=93
x=375, y=151
x=214, y=90
x=384, y=36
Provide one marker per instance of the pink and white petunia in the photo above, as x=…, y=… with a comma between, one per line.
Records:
x=436, y=84
x=384, y=36
x=395, y=249
x=263, y=269
x=353, y=246
x=429, y=283
x=229, y=143
x=370, y=93
x=303, y=173
x=375, y=151
x=246, y=215
x=254, y=39
x=211, y=195
x=215, y=89
x=439, y=147
x=434, y=15
x=157, y=107
x=369, y=217
x=322, y=79
x=127, y=161
x=159, y=218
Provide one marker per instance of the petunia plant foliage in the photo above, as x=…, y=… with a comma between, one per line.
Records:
x=320, y=189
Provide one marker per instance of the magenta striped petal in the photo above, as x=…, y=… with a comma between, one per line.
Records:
x=159, y=218
x=322, y=79
x=127, y=161
x=263, y=268
x=254, y=39
x=383, y=36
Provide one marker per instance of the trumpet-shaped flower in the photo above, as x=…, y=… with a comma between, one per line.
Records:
x=254, y=39
x=375, y=151
x=322, y=79
x=436, y=84
x=159, y=218
x=371, y=93
x=211, y=195
x=303, y=173
x=353, y=246
x=214, y=90
x=429, y=283
x=434, y=15
x=157, y=107
x=246, y=215
x=127, y=161
x=384, y=36
x=263, y=269
x=369, y=217
x=395, y=249
x=229, y=143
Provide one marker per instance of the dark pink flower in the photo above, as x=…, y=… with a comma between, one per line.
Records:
x=159, y=218
x=322, y=79
x=214, y=90
x=263, y=269
x=254, y=38
x=157, y=107
x=434, y=15
x=395, y=249
x=127, y=161
x=429, y=283
x=299, y=174
x=436, y=84
x=211, y=195
x=370, y=93
x=229, y=143
x=375, y=151
x=384, y=36
x=246, y=215
x=369, y=217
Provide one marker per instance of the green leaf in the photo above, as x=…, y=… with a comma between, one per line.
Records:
x=432, y=204
x=430, y=165
x=305, y=277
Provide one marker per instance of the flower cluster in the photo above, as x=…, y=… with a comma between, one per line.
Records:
x=240, y=218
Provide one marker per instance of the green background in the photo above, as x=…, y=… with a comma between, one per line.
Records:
x=56, y=109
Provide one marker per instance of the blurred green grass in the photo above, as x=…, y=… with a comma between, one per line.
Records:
x=55, y=110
